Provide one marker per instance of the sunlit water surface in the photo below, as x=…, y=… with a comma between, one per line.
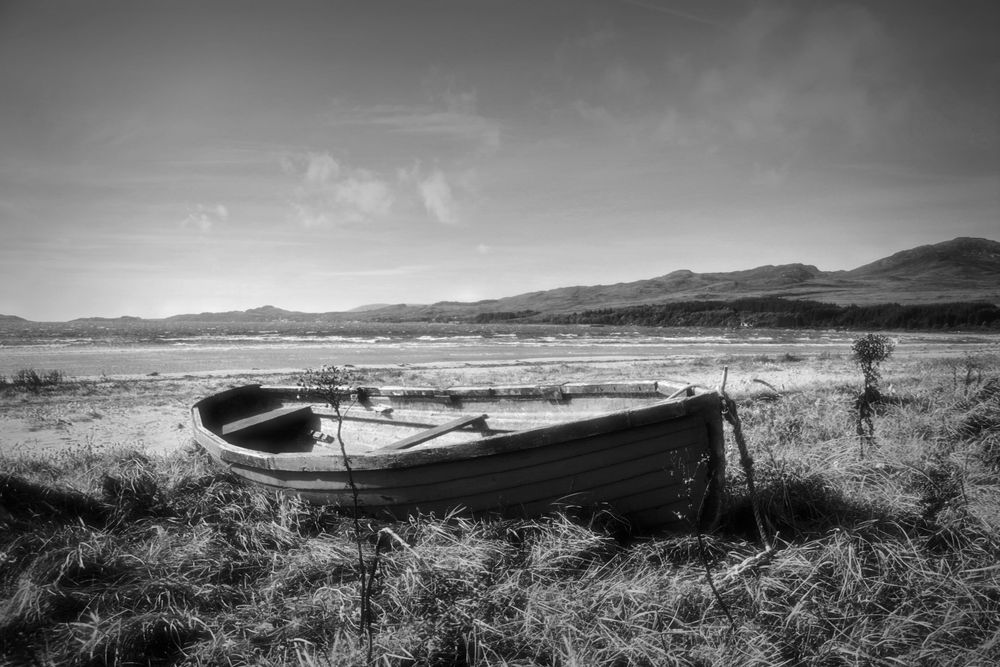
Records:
x=112, y=352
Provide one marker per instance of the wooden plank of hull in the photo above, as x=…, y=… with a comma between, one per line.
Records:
x=459, y=478
x=623, y=476
x=524, y=485
x=657, y=506
x=585, y=453
x=621, y=490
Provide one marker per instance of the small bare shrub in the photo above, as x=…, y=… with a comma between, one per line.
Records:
x=869, y=351
x=330, y=383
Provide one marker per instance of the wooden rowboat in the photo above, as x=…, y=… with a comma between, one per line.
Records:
x=653, y=458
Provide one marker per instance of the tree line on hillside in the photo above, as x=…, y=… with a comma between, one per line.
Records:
x=772, y=312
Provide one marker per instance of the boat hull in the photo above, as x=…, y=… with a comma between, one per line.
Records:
x=659, y=464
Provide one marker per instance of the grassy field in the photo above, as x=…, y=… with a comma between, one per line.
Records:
x=115, y=555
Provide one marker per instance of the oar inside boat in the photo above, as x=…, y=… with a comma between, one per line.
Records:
x=477, y=421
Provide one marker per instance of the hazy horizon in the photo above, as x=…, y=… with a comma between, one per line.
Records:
x=161, y=158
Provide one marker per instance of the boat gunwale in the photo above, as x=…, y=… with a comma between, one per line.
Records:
x=667, y=409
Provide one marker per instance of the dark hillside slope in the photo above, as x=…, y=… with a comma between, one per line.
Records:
x=961, y=258
x=963, y=269
x=960, y=270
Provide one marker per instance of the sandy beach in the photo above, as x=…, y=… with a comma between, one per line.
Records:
x=151, y=413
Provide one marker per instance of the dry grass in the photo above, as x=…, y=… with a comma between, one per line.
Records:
x=114, y=557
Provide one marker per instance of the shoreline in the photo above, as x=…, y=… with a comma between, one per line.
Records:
x=150, y=412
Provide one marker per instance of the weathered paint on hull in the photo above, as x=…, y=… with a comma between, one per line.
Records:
x=660, y=465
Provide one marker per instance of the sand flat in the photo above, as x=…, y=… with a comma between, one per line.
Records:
x=151, y=412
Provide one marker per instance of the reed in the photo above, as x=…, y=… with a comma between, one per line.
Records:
x=32, y=380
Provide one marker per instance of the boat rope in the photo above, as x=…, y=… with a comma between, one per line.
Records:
x=731, y=415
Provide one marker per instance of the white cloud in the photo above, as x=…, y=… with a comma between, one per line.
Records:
x=309, y=216
x=482, y=133
x=364, y=193
x=329, y=192
x=442, y=194
x=452, y=116
x=438, y=199
x=399, y=270
x=204, y=218
x=321, y=169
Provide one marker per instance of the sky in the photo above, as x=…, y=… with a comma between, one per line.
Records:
x=167, y=157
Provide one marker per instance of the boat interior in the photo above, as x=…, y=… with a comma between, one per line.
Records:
x=281, y=419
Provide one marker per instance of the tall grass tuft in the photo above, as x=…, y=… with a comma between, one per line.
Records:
x=32, y=380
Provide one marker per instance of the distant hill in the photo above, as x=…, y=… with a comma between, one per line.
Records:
x=367, y=307
x=124, y=319
x=960, y=270
x=262, y=314
x=959, y=259
x=963, y=270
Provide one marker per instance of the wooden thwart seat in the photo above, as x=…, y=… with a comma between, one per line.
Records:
x=270, y=422
x=431, y=433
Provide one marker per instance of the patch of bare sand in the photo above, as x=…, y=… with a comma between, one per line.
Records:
x=142, y=427
x=151, y=415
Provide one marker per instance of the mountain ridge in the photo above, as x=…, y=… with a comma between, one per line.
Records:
x=963, y=269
